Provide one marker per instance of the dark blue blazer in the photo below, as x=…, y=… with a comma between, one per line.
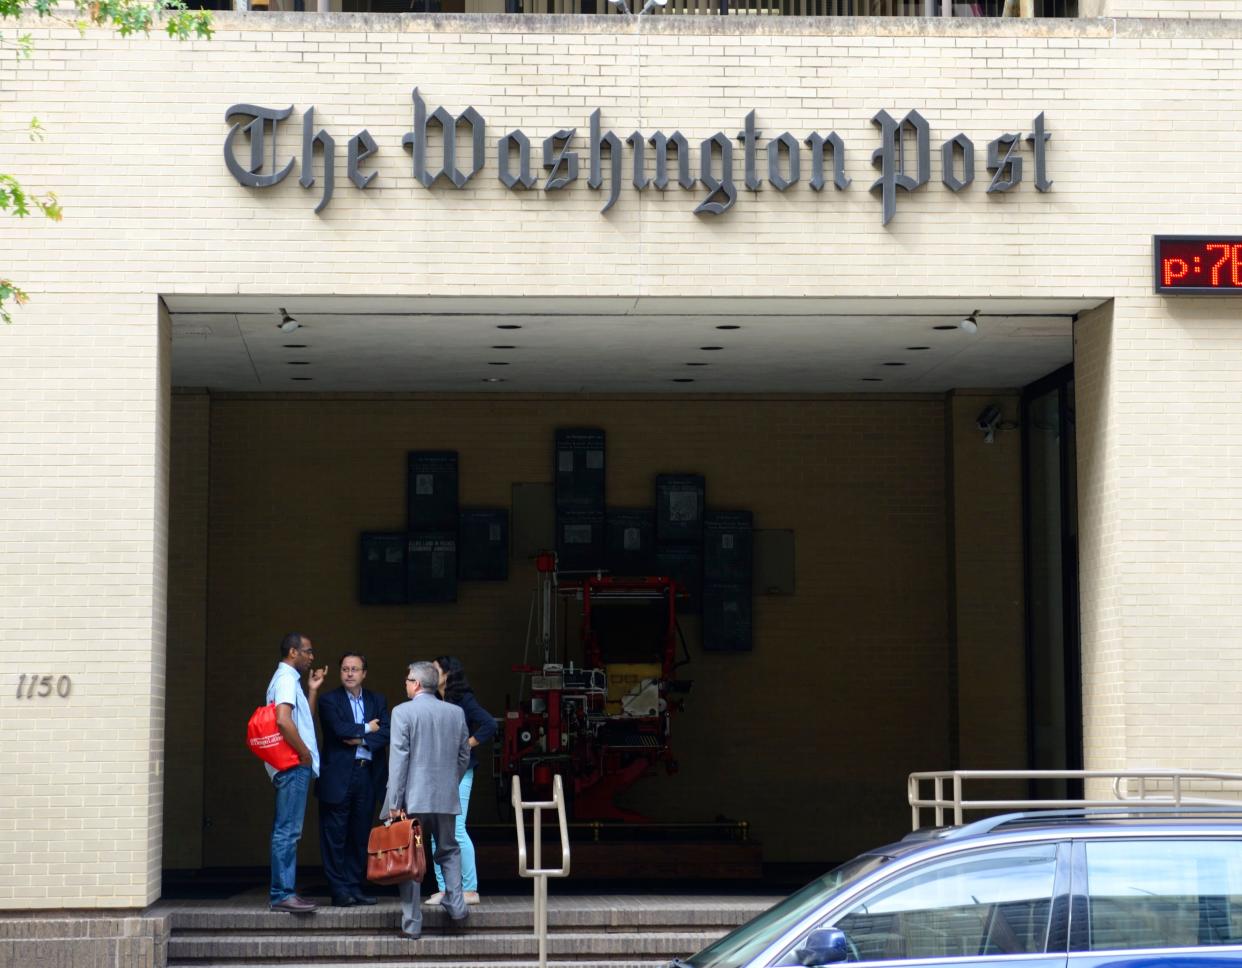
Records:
x=336, y=758
x=479, y=721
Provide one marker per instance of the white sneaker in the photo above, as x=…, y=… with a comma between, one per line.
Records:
x=472, y=897
x=436, y=898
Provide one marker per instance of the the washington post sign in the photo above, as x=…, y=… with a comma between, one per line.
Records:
x=902, y=157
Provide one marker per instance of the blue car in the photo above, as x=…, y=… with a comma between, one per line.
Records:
x=1085, y=888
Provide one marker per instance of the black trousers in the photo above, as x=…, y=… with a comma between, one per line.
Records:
x=343, y=831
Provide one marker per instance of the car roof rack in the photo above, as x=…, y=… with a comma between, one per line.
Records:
x=1084, y=814
x=1166, y=790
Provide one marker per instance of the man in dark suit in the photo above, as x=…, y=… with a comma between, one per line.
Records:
x=430, y=754
x=353, y=774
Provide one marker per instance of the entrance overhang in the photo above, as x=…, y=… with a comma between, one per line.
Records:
x=560, y=344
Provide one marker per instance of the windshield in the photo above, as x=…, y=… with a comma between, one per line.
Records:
x=739, y=947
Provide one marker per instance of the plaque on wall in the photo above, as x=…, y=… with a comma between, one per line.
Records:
x=727, y=547
x=432, y=566
x=484, y=551
x=679, y=508
x=382, y=569
x=629, y=541
x=580, y=540
x=579, y=469
x=431, y=490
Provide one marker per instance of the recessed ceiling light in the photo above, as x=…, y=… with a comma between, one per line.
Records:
x=728, y=326
x=683, y=379
x=295, y=346
x=698, y=364
x=913, y=348
x=894, y=364
x=504, y=346
x=493, y=379
x=954, y=326
x=509, y=326
x=709, y=348
x=287, y=323
x=297, y=362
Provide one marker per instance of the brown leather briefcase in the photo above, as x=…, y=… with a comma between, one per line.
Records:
x=395, y=852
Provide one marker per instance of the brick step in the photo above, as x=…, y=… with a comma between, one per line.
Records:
x=477, y=948
x=601, y=913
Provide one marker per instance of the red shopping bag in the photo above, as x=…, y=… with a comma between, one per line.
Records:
x=264, y=738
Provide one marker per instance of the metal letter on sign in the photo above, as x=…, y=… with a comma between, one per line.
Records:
x=948, y=157
x=817, y=144
x=561, y=164
x=256, y=130
x=1007, y=171
x=524, y=178
x=721, y=192
x=361, y=147
x=890, y=157
x=416, y=140
x=325, y=141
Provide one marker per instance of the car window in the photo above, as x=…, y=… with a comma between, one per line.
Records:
x=740, y=946
x=985, y=902
x=1164, y=893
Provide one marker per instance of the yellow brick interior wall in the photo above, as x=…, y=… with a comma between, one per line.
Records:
x=985, y=515
x=187, y=630
x=808, y=737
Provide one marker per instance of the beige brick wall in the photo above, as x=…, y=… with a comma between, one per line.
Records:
x=1161, y=532
x=81, y=596
x=135, y=129
x=1191, y=9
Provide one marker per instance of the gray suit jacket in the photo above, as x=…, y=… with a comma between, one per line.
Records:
x=428, y=754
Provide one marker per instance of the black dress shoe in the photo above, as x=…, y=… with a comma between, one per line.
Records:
x=345, y=900
x=365, y=899
x=408, y=936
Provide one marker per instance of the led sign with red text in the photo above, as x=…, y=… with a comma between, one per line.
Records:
x=1198, y=264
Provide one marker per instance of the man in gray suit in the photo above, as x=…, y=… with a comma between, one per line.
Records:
x=428, y=754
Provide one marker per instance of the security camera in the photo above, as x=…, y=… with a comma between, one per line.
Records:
x=987, y=421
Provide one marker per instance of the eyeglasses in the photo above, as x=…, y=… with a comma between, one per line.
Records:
x=411, y=680
x=307, y=651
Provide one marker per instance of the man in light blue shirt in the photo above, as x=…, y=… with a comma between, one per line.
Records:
x=293, y=718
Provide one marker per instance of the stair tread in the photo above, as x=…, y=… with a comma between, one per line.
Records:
x=651, y=916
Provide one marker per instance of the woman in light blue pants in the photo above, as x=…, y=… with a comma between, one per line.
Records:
x=456, y=689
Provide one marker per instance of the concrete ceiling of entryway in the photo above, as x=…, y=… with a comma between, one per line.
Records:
x=615, y=345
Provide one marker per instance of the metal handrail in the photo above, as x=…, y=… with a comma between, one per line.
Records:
x=1170, y=792
x=539, y=873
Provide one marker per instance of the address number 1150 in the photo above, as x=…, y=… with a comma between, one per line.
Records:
x=40, y=687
